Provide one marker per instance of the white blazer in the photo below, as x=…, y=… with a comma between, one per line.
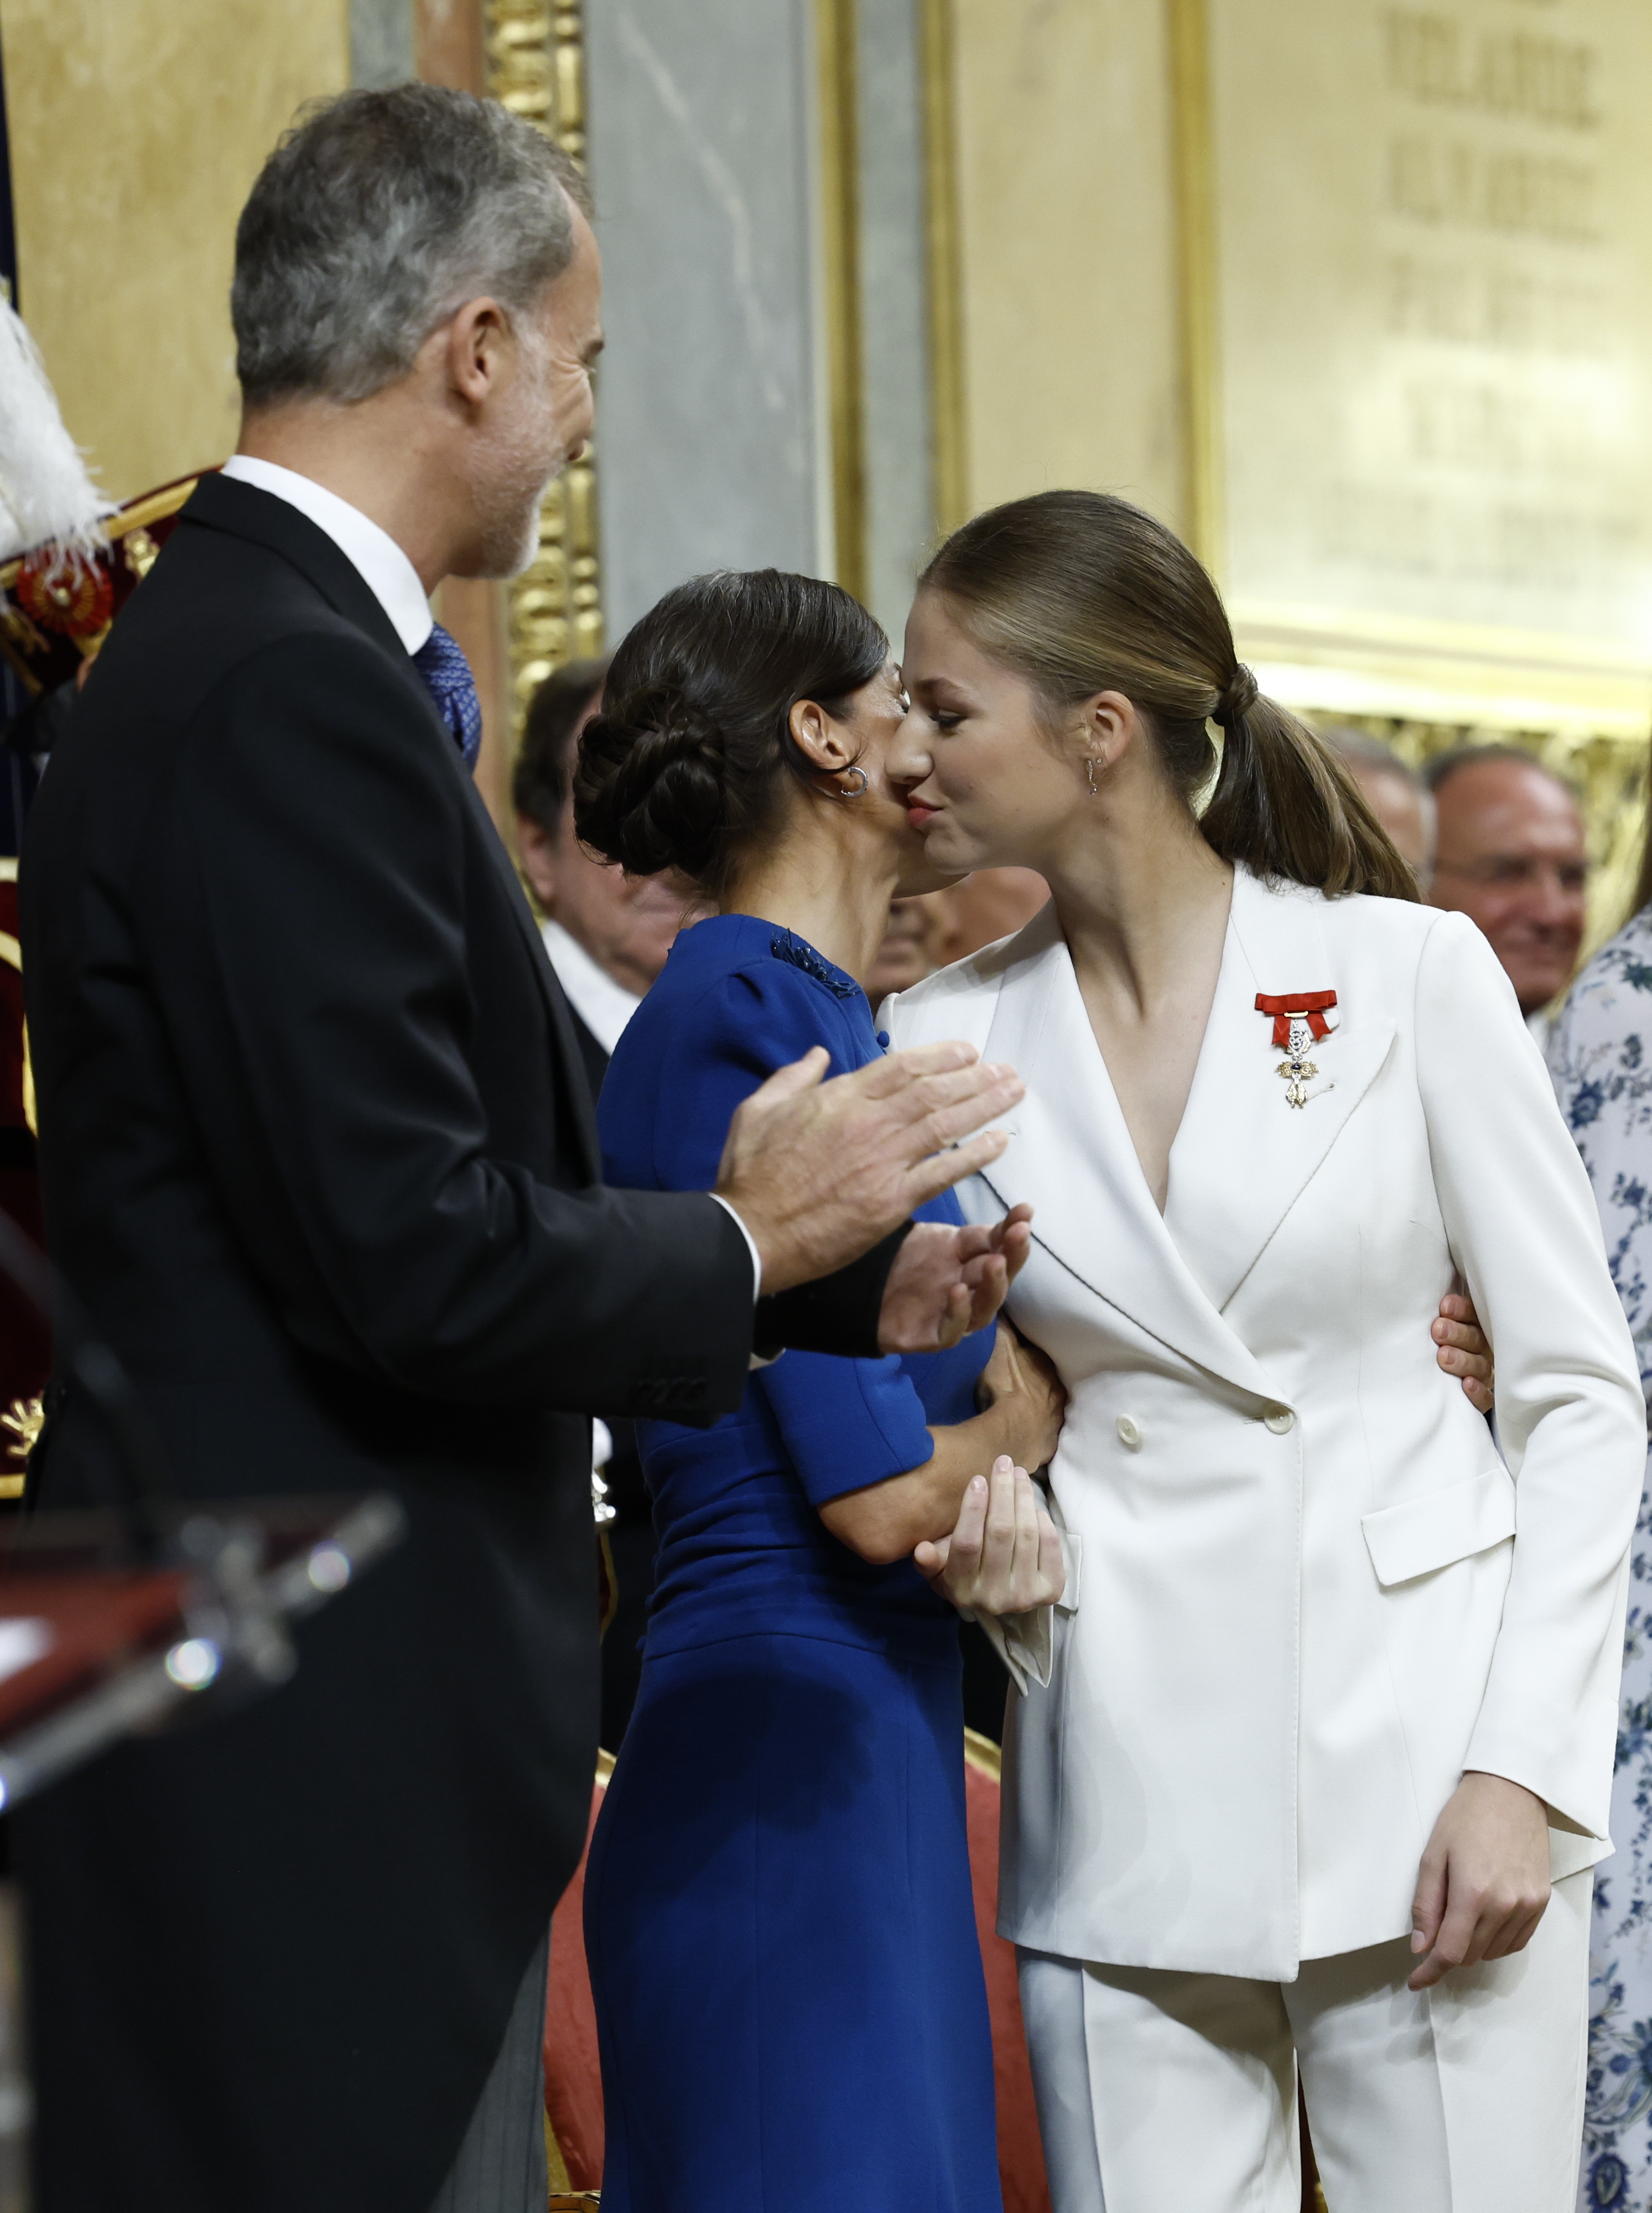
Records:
x=1309, y=1591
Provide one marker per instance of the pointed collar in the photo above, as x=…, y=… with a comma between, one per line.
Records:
x=247, y=510
x=1242, y=1154
x=1070, y=1156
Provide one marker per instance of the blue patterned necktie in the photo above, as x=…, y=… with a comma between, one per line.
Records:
x=441, y=661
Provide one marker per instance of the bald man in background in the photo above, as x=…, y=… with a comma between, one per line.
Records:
x=1512, y=857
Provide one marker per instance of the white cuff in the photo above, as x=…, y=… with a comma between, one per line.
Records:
x=751, y=1245
x=756, y=1360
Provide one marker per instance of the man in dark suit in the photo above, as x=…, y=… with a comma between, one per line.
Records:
x=318, y=1160
x=607, y=935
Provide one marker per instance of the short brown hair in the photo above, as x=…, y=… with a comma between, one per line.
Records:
x=542, y=782
x=375, y=220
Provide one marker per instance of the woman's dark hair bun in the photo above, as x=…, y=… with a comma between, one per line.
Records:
x=649, y=792
x=688, y=763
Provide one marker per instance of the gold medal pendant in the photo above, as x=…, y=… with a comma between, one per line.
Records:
x=1298, y=1072
x=1298, y=1019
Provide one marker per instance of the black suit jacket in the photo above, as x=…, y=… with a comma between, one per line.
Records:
x=319, y=1159
x=592, y=1058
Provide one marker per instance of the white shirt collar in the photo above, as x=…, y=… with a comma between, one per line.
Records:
x=602, y=1005
x=384, y=569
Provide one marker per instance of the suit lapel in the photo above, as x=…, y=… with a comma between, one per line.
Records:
x=577, y=1092
x=1243, y=1155
x=1071, y=1158
x=244, y=511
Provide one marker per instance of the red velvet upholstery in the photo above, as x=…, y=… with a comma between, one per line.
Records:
x=573, y=2079
x=573, y=2073
x=1020, y=2155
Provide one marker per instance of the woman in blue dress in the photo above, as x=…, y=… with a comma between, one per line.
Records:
x=778, y=1915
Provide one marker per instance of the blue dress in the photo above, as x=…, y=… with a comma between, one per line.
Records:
x=778, y=1907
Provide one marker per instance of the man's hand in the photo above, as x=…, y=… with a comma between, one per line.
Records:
x=1463, y=1351
x=1005, y=1555
x=1484, y=1882
x=819, y=1173
x=948, y=1282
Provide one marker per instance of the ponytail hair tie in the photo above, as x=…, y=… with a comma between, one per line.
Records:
x=1238, y=700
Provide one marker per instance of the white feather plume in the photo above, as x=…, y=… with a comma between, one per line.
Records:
x=46, y=492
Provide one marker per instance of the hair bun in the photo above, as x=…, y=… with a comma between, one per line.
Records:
x=650, y=786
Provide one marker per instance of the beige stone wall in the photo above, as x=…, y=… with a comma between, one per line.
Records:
x=1067, y=243
x=136, y=128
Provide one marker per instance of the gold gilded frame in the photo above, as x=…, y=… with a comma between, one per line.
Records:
x=1196, y=275
x=836, y=74
x=535, y=61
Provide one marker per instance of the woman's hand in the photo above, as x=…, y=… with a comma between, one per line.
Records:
x=1019, y=1389
x=1005, y=1555
x=1463, y=1351
x=1021, y=1405
x=1484, y=1882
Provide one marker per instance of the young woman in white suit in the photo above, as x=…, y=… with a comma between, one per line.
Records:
x=1314, y=1760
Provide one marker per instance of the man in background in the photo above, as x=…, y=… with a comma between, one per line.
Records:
x=913, y=945
x=1512, y=857
x=607, y=935
x=993, y=903
x=1396, y=794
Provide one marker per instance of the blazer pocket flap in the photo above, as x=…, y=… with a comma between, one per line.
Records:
x=1072, y=1560
x=1421, y=1534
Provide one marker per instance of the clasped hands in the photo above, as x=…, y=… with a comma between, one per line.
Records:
x=1004, y=1556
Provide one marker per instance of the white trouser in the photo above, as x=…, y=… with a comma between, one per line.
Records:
x=1165, y=2093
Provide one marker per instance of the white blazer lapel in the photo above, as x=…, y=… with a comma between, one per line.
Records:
x=1071, y=1158
x=1244, y=1154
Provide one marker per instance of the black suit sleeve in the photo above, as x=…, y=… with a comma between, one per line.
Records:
x=839, y=1314
x=317, y=895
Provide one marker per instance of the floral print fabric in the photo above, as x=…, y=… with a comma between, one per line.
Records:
x=1600, y=1055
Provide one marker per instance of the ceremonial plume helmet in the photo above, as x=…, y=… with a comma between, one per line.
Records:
x=46, y=495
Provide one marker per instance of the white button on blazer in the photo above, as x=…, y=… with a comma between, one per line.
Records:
x=1324, y=1593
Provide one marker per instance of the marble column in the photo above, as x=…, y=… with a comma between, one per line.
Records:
x=711, y=426
x=897, y=473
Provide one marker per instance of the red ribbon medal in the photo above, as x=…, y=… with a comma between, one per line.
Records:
x=1297, y=1016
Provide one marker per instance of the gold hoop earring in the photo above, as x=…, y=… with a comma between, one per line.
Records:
x=1089, y=771
x=858, y=788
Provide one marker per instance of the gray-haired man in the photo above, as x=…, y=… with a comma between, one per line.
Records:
x=317, y=1159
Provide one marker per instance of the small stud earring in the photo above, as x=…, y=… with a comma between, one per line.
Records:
x=1089, y=771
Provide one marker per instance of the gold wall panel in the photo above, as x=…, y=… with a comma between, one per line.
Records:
x=536, y=66
x=1431, y=258
x=1069, y=309
x=137, y=129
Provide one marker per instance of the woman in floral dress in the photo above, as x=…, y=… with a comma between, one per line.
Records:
x=1601, y=1058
